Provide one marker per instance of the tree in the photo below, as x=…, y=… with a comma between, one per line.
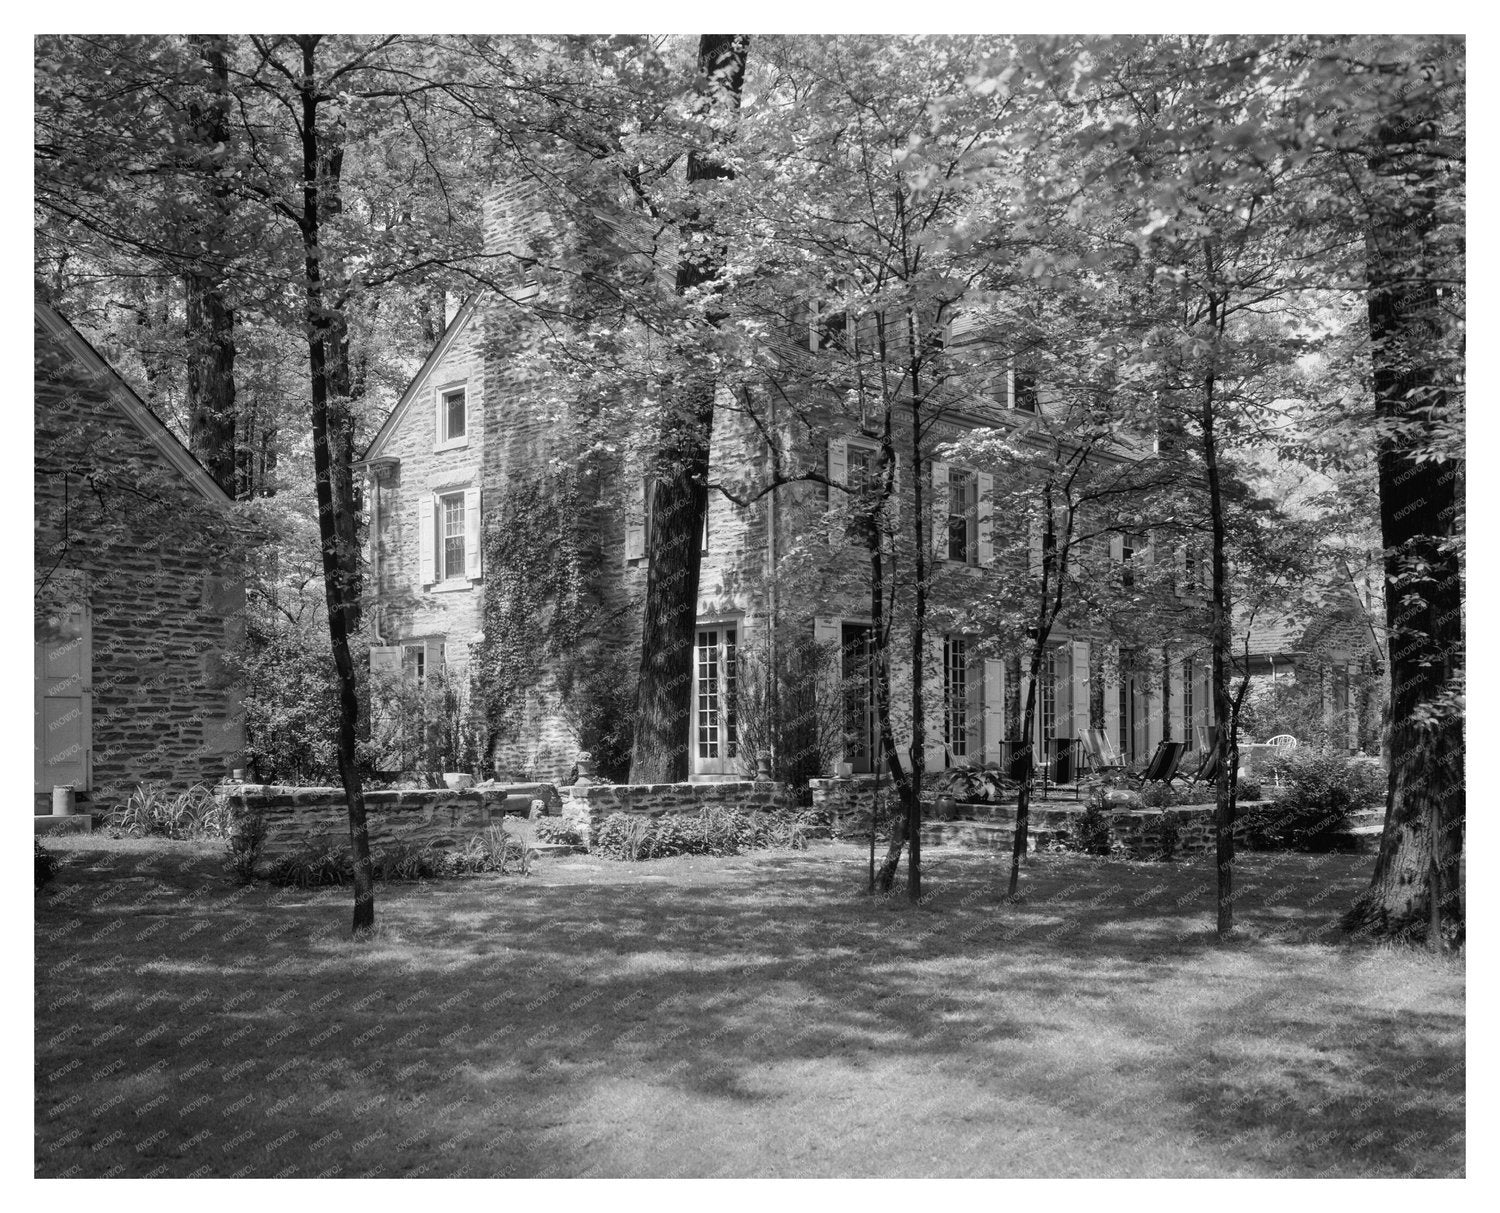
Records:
x=680, y=498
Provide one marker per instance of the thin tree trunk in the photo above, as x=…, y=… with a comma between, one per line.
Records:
x=900, y=777
x=1415, y=890
x=210, y=321
x=333, y=472
x=1224, y=810
x=664, y=695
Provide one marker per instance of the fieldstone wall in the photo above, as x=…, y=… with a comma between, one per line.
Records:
x=121, y=529
x=586, y=805
x=296, y=816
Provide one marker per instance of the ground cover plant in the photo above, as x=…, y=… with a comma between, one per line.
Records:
x=737, y=1015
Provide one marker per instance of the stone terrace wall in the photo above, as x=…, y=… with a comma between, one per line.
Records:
x=297, y=816
x=586, y=805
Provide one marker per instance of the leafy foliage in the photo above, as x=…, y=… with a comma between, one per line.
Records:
x=1313, y=809
x=716, y=830
x=45, y=863
x=152, y=810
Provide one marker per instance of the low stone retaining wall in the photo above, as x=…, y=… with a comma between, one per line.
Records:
x=585, y=805
x=443, y=818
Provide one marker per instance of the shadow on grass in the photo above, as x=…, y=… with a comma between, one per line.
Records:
x=751, y=1015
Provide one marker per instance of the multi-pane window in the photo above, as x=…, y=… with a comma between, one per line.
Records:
x=455, y=412
x=1125, y=717
x=956, y=695
x=1023, y=391
x=717, y=732
x=1128, y=549
x=414, y=661
x=1049, y=695
x=962, y=516
x=863, y=466
x=1187, y=703
x=451, y=536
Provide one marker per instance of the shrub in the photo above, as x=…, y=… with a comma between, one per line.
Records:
x=247, y=835
x=1248, y=789
x=151, y=809
x=1167, y=836
x=974, y=784
x=313, y=865
x=559, y=830
x=716, y=830
x=1311, y=812
x=46, y=863
x=1090, y=832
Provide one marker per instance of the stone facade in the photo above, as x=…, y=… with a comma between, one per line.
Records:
x=779, y=566
x=138, y=592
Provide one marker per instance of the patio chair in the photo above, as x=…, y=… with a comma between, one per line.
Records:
x=1163, y=765
x=1208, y=763
x=1099, y=754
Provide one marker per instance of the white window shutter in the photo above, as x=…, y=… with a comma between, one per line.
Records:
x=935, y=749
x=1080, y=686
x=1036, y=554
x=635, y=541
x=1112, y=699
x=385, y=659
x=1174, y=705
x=838, y=461
x=986, y=519
x=940, y=509
x=426, y=539
x=994, y=709
x=1153, y=708
x=473, y=544
x=828, y=632
x=1117, y=549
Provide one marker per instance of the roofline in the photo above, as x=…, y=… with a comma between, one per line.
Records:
x=402, y=405
x=151, y=426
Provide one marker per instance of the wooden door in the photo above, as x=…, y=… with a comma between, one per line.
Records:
x=63, y=708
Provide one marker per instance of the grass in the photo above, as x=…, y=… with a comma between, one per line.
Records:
x=752, y=1015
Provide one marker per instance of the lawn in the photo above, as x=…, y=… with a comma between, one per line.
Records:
x=756, y=1015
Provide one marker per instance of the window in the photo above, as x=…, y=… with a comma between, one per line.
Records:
x=1049, y=695
x=863, y=468
x=1129, y=545
x=962, y=516
x=451, y=537
x=1187, y=703
x=716, y=731
x=1023, y=392
x=832, y=331
x=452, y=417
x=956, y=695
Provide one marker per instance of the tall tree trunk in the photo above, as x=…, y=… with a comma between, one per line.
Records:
x=210, y=321
x=333, y=472
x=1415, y=890
x=664, y=694
x=1224, y=714
x=880, y=628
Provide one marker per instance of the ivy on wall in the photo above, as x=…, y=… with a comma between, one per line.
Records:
x=549, y=634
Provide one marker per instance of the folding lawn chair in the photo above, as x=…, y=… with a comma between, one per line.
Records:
x=1163, y=765
x=1208, y=764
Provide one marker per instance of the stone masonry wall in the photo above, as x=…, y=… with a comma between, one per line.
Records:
x=119, y=526
x=586, y=805
x=297, y=816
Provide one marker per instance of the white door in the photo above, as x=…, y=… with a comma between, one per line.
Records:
x=715, y=726
x=62, y=705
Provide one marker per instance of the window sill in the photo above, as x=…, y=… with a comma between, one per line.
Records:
x=449, y=587
x=453, y=444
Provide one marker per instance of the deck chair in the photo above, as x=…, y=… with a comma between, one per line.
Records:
x=1208, y=764
x=1163, y=765
x=1099, y=754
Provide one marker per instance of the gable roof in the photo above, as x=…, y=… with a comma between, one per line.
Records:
x=403, y=406
x=120, y=393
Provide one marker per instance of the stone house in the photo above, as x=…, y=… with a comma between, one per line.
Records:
x=465, y=432
x=137, y=593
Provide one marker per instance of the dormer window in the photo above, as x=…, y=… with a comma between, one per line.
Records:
x=452, y=417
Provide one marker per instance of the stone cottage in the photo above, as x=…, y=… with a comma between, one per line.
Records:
x=137, y=593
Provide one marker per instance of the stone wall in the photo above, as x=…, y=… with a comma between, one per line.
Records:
x=120, y=527
x=297, y=816
x=586, y=805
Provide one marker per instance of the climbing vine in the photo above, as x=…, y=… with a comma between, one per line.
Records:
x=546, y=631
